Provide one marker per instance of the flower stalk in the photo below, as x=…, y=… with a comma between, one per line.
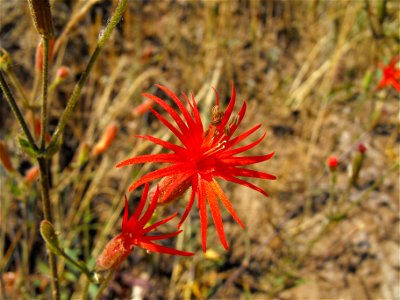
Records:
x=45, y=75
x=45, y=190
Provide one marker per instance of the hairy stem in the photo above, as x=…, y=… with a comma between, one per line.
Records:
x=45, y=189
x=45, y=73
x=82, y=80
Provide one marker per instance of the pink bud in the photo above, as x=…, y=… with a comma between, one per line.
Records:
x=63, y=72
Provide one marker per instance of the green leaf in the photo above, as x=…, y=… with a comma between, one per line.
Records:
x=27, y=148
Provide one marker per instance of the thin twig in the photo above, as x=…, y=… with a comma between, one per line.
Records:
x=78, y=88
x=45, y=189
x=17, y=113
x=45, y=76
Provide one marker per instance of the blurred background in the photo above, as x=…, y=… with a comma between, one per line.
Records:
x=309, y=71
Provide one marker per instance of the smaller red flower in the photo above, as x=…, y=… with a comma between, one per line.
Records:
x=134, y=233
x=391, y=75
x=332, y=163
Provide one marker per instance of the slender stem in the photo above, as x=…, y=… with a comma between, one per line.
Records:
x=82, y=80
x=45, y=189
x=17, y=113
x=85, y=289
x=104, y=284
x=45, y=73
x=90, y=275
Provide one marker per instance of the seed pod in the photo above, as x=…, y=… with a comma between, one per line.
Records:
x=41, y=15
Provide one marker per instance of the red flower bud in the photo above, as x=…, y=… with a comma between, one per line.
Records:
x=63, y=72
x=361, y=148
x=5, y=157
x=39, y=54
x=38, y=130
x=31, y=174
x=106, y=140
x=332, y=163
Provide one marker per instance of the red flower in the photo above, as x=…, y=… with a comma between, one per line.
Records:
x=134, y=233
x=204, y=156
x=332, y=162
x=391, y=75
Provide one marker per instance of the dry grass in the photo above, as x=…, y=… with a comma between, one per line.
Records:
x=308, y=70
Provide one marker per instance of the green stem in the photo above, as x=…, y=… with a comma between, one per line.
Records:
x=45, y=189
x=45, y=73
x=90, y=275
x=104, y=284
x=85, y=289
x=17, y=113
x=82, y=80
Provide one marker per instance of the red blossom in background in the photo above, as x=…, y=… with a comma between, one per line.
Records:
x=332, y=163
x=134, y=233
x=204, y=156
x=391, y=75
